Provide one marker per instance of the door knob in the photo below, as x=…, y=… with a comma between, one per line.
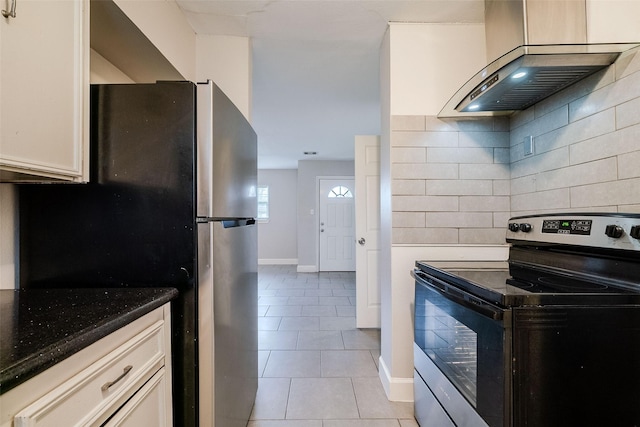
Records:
x=322, y=230
x=361, y=241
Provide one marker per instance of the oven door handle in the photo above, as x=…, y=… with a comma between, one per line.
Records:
x=459, y=296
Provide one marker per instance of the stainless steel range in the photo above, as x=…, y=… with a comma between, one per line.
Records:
x=551, y=338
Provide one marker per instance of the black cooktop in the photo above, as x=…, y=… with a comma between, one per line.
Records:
x=521, y=286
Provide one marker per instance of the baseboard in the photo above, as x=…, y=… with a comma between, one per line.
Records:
x=307, y=268
x=278, y=261
x=397, y=389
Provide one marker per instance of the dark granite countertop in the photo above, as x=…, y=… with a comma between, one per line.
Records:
x=39, y=328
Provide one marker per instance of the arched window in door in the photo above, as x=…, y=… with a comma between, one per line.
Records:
x=340, y=191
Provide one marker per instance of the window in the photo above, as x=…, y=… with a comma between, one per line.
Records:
x=263, y=202
x=340, y=191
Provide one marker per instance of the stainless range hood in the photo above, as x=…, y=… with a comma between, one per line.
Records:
x=546, y=51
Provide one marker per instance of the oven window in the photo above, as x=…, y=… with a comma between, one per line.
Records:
x=468, y=347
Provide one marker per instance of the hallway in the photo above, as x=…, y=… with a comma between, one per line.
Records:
x=316, y=369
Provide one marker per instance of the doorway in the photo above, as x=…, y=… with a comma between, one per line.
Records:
x=336, y=224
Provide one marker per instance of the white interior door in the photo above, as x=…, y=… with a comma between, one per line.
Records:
x=337, y=225
x=367, y=177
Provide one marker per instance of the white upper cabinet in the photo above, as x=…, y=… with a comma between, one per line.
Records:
x=44, y=90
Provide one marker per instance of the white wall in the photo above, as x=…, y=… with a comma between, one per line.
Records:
x=103, y=71
x=278, y=237
x=165, y=25
x=308, y=171
x=227, y=61
x=613, y=21
x=429, y=62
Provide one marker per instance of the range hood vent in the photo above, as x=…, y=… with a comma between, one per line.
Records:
x=530, y=73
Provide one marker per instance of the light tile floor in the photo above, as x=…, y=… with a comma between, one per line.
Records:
x=317, y=369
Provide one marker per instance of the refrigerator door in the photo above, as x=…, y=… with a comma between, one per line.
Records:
x=228, y=323
x=227, y=158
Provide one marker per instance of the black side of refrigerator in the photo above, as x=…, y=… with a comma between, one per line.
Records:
x=134, y=224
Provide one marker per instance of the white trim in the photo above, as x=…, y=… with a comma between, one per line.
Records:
x=278, y=261
x=307, y=269
x=397, y=389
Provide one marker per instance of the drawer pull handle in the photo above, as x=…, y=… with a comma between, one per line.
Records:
x=125, y=371
x=11, y=13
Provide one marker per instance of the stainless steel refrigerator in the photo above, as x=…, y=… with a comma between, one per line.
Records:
x=171, y=202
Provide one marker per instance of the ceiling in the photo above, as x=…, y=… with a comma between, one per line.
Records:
x=316, y=66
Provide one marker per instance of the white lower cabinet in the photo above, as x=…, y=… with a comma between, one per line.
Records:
x=130, y=385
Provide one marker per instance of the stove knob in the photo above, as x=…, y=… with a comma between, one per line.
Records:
x=514, y=227
x=635, y=232
x=614, y=231
x=526, y=227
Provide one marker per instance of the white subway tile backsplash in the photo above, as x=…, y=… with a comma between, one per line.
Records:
x=408, y=123
x=549, y=200
x=501, y=124
x=460, y=155
x=572, y=176
x=624, y=89
x=484, y=139
x=424, y=139
x=484, y=236
x=480, y=148
x=409, y=155
x=520, y=118
x=464, y=124
x=627, y=113
x=409, y=219
x=424, y=203
x=459, y=187
x=628, y=165
x=431, y=236
x=523, y=185
x=501, y=219
x=441, y=125
x=460, y=219
x=475, y=124
x=590, y=127
x=554, y=210
x=501, y=155
x=622, y=192
x=501, y=187
x=484, y=203
x=424, y=171
x=551, y=160
x=475, y=175
x=481, y=171
x=551, y=121
x=623, y=141
x=408, y=187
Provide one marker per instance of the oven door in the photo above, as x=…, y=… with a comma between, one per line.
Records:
x=469, y=342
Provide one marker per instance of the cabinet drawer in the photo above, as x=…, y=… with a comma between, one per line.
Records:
x=148, y=407
x=91, y=396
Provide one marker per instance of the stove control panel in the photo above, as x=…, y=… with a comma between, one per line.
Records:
x=600, y=230
x=567, y=226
